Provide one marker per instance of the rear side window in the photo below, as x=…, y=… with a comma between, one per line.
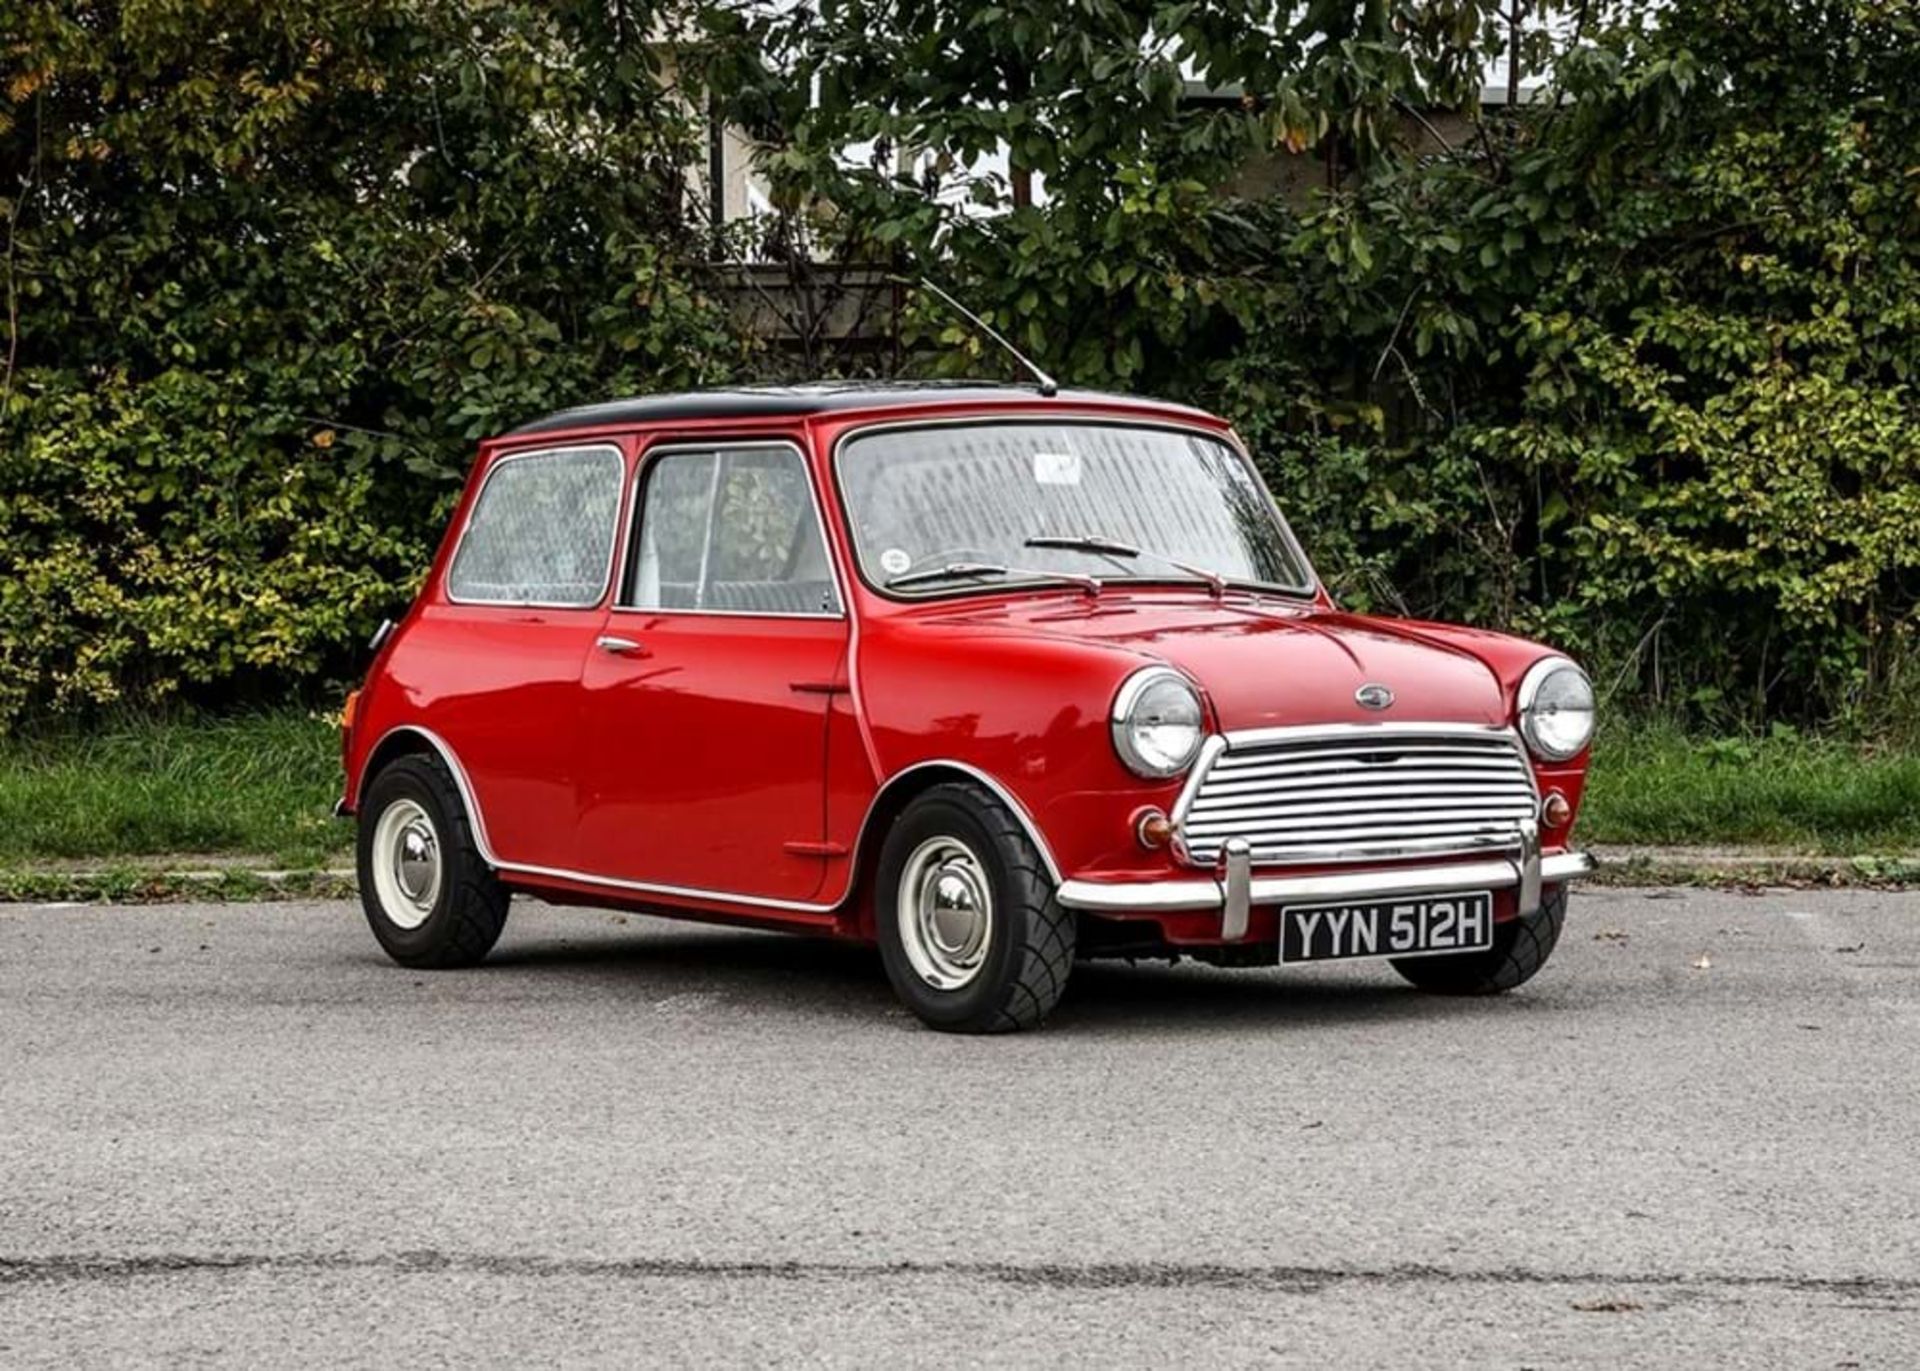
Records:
x=541, y=532
x=732, y=530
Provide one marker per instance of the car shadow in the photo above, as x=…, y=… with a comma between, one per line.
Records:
x=820, y=977
x=784, y=971
x=1157, y=997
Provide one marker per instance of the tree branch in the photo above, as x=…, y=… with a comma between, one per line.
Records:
x=1406, y=108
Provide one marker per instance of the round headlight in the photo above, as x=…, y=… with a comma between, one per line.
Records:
x=1556, y=709
x=1157, y=723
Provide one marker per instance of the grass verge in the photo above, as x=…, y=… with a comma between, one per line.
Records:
x=129, y=885
x=1679, y=869
x=1653, y=784
x=262, y=786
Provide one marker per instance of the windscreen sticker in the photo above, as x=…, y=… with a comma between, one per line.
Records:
x=896, y=561
x=1056, y=468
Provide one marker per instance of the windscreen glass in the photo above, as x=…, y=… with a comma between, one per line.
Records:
x=1032, y=500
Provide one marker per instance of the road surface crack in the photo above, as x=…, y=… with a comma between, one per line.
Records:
x=55, y=1268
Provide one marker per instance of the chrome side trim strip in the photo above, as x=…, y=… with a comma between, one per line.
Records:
x=1142, y=897
x=683, y=891
x=492, y=858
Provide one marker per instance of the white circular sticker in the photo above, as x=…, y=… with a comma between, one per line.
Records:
x=896, y=561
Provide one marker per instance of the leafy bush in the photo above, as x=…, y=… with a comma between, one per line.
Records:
x=1632, y=369
x=159, y=536
x=274, y=266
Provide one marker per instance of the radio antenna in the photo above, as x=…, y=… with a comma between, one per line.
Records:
x=1046, y=384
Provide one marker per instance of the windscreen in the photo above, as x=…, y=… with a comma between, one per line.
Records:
x=1108, y=500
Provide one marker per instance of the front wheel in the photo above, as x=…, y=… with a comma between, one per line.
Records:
x=1520, y=948
x=970, y=932
x=429, y=897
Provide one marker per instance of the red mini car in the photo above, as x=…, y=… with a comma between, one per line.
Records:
x=995, y=678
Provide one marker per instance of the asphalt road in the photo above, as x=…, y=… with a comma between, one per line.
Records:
x=238, y=1135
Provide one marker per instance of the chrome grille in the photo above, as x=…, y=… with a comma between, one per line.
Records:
x=1358, y=793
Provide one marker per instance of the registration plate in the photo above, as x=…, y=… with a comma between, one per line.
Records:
x=1411, y=926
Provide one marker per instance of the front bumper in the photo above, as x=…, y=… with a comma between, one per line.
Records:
x=1235, y=890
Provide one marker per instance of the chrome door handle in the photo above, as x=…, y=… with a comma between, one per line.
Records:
x=619, y=647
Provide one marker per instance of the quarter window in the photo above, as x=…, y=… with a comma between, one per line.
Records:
x=732, y=530
x=541, y=532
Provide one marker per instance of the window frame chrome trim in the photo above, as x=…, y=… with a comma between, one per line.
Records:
x=1028, y=416
x=673, y=444
x=473, y=508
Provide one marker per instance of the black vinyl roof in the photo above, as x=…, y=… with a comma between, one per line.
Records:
x=822, y=397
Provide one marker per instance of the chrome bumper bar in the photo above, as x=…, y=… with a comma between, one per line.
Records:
x=1236, y=890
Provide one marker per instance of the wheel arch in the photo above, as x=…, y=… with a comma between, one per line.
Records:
x=411, y=740
x=890, y=802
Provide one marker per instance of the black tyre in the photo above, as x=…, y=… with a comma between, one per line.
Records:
x=429, y=898
x=972, y=936
x=1520, y=948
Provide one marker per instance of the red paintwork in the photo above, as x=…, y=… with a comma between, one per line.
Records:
x=699, y=771
x=660, y=799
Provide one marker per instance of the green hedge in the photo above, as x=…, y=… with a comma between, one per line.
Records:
x=275, y=266
x=1632, y=370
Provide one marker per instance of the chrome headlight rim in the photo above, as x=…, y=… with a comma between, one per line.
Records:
x=1530, y=686
x=1121, y=722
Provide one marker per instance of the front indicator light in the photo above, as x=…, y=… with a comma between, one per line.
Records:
x=1153, y=828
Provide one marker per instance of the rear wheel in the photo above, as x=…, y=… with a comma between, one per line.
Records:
x=970, y=932
x=1520, y=948
x=429, y=898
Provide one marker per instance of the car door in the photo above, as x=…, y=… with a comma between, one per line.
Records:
x=704, y=722
x=498, y=653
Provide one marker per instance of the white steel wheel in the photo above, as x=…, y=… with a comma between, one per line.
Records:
x=970, y=932
x=407, y=865
x=944, y=908
x=430, y=897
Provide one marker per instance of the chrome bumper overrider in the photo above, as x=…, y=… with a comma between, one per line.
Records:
x=1236, y=890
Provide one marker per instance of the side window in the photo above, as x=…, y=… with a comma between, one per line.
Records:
x=542, y=530
x=732, y=530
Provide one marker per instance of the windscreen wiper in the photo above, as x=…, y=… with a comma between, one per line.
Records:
x=954, y=571
x=1113, y=547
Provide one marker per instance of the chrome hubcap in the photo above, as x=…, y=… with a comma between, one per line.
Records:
x=406, y=863
x=945, y=911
